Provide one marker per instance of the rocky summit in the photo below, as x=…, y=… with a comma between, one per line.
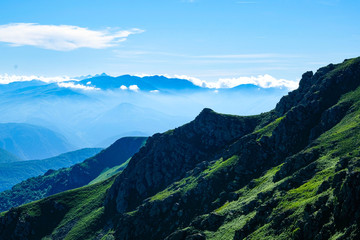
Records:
x=291, y=173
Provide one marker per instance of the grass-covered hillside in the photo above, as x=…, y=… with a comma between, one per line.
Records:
x=292, y=173
x=78, y=175
x=15, y=172
x=80, y=211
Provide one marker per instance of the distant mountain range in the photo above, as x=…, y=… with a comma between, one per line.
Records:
x=87, y=112
x=14, y=172
x=36, y=89
x=150, y=83
x=126, y=116
x=7, y=157
x=102, y=165
x=28, y=141
x=289, y=173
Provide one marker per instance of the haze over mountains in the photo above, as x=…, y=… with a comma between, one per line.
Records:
x=14, y=172
x=7, y=157
x=180, y=120
x=88, y=166
x=95, y=111
x=27, y=141
x=290, y=173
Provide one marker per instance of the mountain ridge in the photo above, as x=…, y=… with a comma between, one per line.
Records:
x=7, y=157
x=15, y=172
x=28, y=141
x=290, y=135
x=291, y=173
x=75, y=176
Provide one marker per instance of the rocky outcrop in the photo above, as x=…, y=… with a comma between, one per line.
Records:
x=175, y=187
x=167, y=157
x=326, y=86
x=27, y=226
x=307, y=112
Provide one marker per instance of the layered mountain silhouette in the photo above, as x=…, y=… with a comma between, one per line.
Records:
x=125, y=116
x=12, y=173
x=291, y=173
x=80, y=109
x=28, y=141
x=7, y=157
x=150, y=83
x=106, y=163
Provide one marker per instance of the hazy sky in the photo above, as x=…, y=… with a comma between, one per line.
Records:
x=199, y=38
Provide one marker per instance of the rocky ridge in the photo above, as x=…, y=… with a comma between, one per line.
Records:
x=291, y=173
x=302, y=116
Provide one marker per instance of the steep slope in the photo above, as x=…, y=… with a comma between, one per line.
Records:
x=80, y=210
x=7, y=157
x=81, y=174
x=32, y=142
x=292, y=173
x=167, y=157
x=189, y=206
x=15, y=172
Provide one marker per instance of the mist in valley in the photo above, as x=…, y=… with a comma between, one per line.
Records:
x=96, y=117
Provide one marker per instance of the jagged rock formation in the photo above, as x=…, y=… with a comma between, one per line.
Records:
x=167, y=157
x=292, y=173
x=305, y=114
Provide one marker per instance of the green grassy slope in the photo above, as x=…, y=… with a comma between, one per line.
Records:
x=78, y=175
x=293, y=175
x=310, y=192
x=15, y=172
x=289, y=179
x=109, y=172
x=80, y=210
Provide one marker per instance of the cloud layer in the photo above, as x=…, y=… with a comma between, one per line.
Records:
x=5, y=79
x=76, y=86
x=134, y=88
x=61, y=37
x=263, y=81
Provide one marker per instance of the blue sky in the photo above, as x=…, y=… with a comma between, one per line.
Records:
x=205, y=39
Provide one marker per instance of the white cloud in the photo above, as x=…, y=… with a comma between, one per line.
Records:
x=195, y=81
x=75, y=86
x=154, y=91
x=141, y=75
x=88, y=83
x=134, y=88
x=5, y=79
x=264, y=81
x=61, y=37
